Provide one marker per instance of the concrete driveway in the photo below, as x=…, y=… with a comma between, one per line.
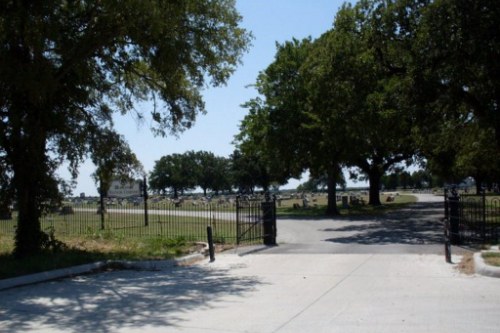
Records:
x=417, y=229
x=350, y=283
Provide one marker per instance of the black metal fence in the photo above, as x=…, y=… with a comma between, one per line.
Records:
x=166, y=218
x=473, y=219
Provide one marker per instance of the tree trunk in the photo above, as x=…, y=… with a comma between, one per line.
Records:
x=374, y=176
x=479, y=184
x=28, y=181
x=331, y=209
x=5, y=211
x=30, y=168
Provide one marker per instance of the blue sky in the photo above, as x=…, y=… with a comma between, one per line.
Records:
x=270, y=21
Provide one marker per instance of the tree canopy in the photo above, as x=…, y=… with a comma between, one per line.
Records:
x=392, y=82
x=181, y=172
x=67, y=66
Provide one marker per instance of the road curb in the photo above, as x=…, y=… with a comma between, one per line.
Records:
x=149, y=265
x=482, y=268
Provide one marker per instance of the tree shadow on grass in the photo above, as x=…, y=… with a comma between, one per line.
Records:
x=104, y=302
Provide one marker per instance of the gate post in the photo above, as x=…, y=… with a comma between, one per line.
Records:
x=238, y=227
x=454, y=214
x=269, y=220
x=446, y=206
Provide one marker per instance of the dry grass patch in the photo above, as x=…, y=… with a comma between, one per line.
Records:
x=466, y=265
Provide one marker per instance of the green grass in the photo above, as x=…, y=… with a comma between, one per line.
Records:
x=132, y=225
x=82, y=250
x=492, y=258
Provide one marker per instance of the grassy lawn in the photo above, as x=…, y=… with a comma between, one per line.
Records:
x=492, y=258
x=318, y=207
x=87, y=249
x=125, y=237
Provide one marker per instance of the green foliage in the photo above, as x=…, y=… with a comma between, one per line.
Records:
x=66, y=67
x=161, y=246
x=82, y=251
x=182, y=172
x=272, y=132
x=211, y=172
x=336, y=101
x=455, y=83
x=113, y=159
x=50, y=243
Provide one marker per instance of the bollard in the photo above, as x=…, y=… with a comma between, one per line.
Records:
x=210, y=244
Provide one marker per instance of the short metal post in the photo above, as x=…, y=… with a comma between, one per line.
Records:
x=447, y=243
x=210, y=244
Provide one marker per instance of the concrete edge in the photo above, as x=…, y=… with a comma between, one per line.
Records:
x=482, y=268
x=147, y=265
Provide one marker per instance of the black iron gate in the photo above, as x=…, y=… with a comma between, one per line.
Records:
x=472, y=219
x=255, y=220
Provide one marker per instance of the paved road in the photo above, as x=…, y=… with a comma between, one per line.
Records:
x=417, y=229
x=331, y=289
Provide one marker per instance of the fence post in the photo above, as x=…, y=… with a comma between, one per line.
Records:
x=454, y=214
x=145, y=195
x=238, y=227
x=101, y=203
x=446, y=206
x=483, y=224
x=269, y=220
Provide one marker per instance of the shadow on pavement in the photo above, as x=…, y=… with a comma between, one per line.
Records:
x=98, y=303
x=417, y=225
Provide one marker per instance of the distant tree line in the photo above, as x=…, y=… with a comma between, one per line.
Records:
x=401, y=179
x=177, y=173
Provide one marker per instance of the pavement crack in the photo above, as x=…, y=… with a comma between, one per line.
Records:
x=324, y=294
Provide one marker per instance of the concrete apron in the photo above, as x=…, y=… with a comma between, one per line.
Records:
x=264, y=293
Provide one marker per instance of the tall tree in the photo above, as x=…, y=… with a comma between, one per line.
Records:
x=455, y=80
x=383, y=127
x=272, y=133
x=212, y=172
x=6, y=190
x=458, y=51
x=66, y=66
x=114, y=160
x=249, y=171
x=174, y=172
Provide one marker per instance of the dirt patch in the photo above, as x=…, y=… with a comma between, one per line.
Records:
x=466, y=265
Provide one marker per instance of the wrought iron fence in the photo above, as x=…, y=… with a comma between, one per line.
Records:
x=167, y=219
x=474, y=219
x=479, y=220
